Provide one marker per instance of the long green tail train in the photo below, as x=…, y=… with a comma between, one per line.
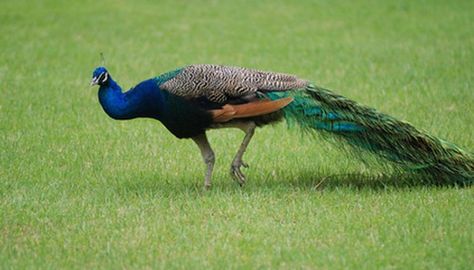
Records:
x=318, y=109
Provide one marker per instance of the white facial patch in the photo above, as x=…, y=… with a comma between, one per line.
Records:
x=105, y=77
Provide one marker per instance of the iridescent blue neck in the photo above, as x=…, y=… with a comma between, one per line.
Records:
x=144, y=100
x=113, y=100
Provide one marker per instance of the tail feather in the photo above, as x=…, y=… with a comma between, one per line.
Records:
x=318, y=109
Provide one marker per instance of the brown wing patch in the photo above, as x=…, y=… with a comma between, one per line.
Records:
x=256, y=108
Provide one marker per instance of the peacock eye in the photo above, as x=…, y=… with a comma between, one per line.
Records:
x=103, y=77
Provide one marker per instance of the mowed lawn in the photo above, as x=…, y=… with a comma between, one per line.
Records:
x=80, y=190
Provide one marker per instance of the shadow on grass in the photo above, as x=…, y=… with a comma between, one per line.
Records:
x=360, y=181
x=157, y=186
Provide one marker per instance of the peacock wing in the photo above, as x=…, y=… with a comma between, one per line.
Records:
x=219, y=83
x=250, y=109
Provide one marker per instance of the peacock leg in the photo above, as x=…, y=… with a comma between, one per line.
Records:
x=207, y=155
x=237, y=163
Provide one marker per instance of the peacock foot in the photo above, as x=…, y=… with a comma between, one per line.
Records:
x=207, y=187
x=236, y=173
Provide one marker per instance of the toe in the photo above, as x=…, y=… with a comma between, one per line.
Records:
x=237, y=175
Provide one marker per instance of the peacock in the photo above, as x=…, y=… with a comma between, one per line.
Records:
x=193, y=99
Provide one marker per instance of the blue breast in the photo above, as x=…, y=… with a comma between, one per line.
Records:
x=180, y=116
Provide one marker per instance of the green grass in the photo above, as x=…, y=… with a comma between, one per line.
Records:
x=79, y=190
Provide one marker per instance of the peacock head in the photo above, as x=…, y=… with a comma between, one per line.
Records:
x=100, y=76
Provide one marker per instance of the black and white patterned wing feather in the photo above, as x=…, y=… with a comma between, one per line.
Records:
x=221, y=83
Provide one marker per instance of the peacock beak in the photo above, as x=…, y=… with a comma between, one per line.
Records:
x=95, y=81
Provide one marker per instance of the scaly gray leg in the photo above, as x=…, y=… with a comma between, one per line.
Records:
x=207, y=156
x=249, y=129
